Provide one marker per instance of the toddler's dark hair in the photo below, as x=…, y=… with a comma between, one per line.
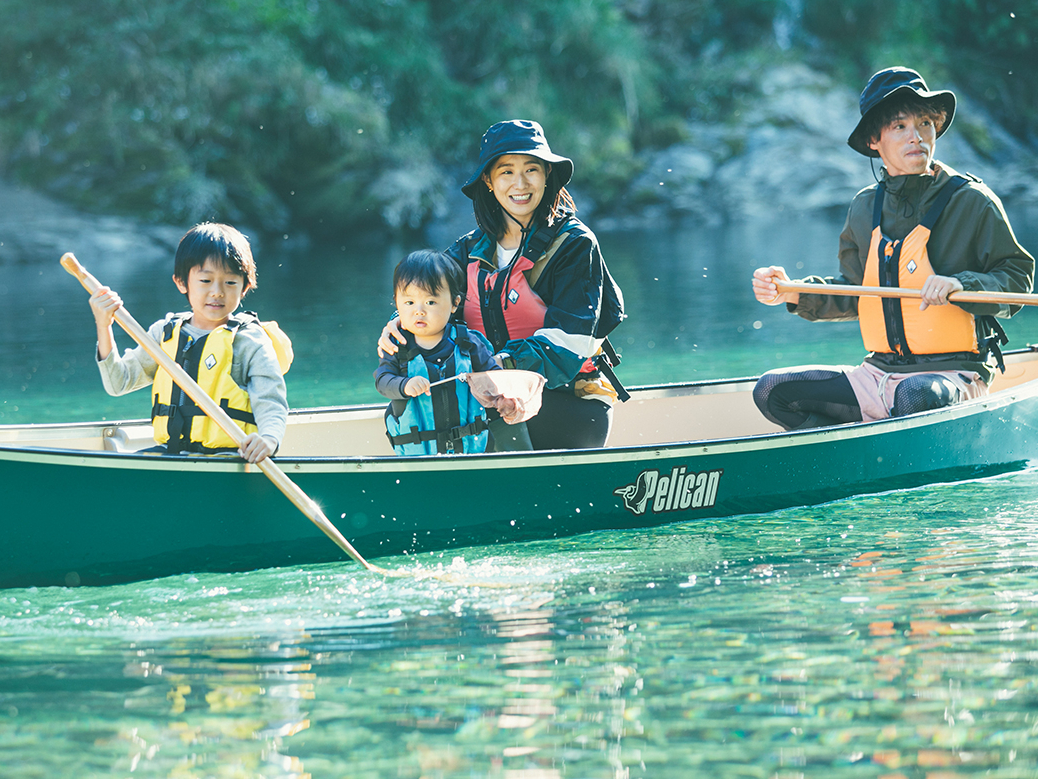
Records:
x=220, y=243
x=429, y=270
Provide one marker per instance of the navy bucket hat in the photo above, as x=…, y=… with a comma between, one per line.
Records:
x=517, y=136
x=886, y=84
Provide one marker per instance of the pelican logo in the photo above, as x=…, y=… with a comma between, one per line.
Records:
x=676, y=491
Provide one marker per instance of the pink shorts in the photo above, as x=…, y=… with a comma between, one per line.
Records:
x=875, y=388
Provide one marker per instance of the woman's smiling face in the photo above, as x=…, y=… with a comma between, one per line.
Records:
x=518, y=182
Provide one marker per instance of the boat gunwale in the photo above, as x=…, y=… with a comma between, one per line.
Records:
x=494, y=460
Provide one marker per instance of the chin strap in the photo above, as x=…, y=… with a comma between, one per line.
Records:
x=872, y=164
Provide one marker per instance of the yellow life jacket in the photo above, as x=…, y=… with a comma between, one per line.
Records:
x=893, y=325
x=176, y=420
x=282, y=344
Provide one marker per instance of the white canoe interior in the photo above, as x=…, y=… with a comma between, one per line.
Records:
x=653, y=416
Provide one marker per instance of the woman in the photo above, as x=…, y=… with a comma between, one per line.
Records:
x=537, y=286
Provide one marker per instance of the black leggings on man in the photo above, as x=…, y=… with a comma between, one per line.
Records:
x=816, y=396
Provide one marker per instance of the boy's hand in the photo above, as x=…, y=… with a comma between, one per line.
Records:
x=416, y=386
x=255, y=448
x=105, y=303
x=386, y=344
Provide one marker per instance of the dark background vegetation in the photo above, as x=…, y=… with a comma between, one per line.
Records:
x=332, y=115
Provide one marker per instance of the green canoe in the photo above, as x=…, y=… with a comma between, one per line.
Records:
x=83, y=508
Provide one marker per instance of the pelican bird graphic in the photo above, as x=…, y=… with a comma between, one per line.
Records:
x=637, y=495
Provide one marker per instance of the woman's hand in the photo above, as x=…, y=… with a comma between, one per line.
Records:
x=386, y=342
x=936, y=290
x=765, y=289
x=255, y=448
x=417, y=385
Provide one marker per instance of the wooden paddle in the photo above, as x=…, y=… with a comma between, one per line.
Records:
x=1007, y=298
x=291, y=491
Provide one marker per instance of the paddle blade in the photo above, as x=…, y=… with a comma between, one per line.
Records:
x=515, y=394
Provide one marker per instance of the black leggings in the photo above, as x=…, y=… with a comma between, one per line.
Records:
x=815, y=396
x=568, y=422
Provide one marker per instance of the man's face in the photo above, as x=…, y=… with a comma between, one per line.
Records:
x=906, y=144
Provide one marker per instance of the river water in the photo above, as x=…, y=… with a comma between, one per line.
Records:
x=891, y=635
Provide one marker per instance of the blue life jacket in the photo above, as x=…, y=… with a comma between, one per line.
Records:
x=449, y=421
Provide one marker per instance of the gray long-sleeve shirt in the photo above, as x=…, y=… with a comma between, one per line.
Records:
x=254, y=367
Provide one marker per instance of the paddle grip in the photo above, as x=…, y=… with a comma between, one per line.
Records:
x=72, y=265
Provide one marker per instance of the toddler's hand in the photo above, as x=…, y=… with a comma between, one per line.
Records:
x=416, y=385
x=255, y=448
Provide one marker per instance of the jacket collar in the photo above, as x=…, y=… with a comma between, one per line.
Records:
x=485, y=249
x=919, y=190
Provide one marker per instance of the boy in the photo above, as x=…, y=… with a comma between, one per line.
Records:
x=445, y=419
x=230, y=355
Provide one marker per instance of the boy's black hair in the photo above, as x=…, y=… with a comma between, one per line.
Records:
x=429, y=270
x=218, y=242
x=557, y=203
x=908, y=103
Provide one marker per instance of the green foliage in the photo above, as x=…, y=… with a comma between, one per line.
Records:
x=177, y=111
x=986, y=48
x=699, y=47
x=991, y=47
x=335, y=114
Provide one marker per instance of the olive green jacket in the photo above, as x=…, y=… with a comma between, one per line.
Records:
x=971, y=241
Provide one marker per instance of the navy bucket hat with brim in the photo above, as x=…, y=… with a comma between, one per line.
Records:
x=886, y=84
x=517, y=136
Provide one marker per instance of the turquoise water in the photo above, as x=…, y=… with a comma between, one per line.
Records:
x=885, y=636
x=691, y=310
x=888, y=636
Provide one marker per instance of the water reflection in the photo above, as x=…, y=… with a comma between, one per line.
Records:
x=881, y=636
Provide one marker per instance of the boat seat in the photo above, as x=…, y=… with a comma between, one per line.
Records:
x=127, y=438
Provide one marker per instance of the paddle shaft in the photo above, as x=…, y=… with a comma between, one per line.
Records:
x=291, y=490
x=1006, y=298
x=444, y=381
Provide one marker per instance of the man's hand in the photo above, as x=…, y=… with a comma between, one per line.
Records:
x=765, y=290
x=936, y=290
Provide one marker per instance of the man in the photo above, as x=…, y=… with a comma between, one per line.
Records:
x=924, y=226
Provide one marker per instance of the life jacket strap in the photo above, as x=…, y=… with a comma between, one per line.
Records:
x=453, y=435
x=166, y=410
x=994, y=340
x=604, y=362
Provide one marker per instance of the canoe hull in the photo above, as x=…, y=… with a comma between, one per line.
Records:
x=101, y=518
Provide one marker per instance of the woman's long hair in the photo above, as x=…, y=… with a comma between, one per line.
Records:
x=556, y=204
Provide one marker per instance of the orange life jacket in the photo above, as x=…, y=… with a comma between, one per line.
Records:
x=892, y=325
